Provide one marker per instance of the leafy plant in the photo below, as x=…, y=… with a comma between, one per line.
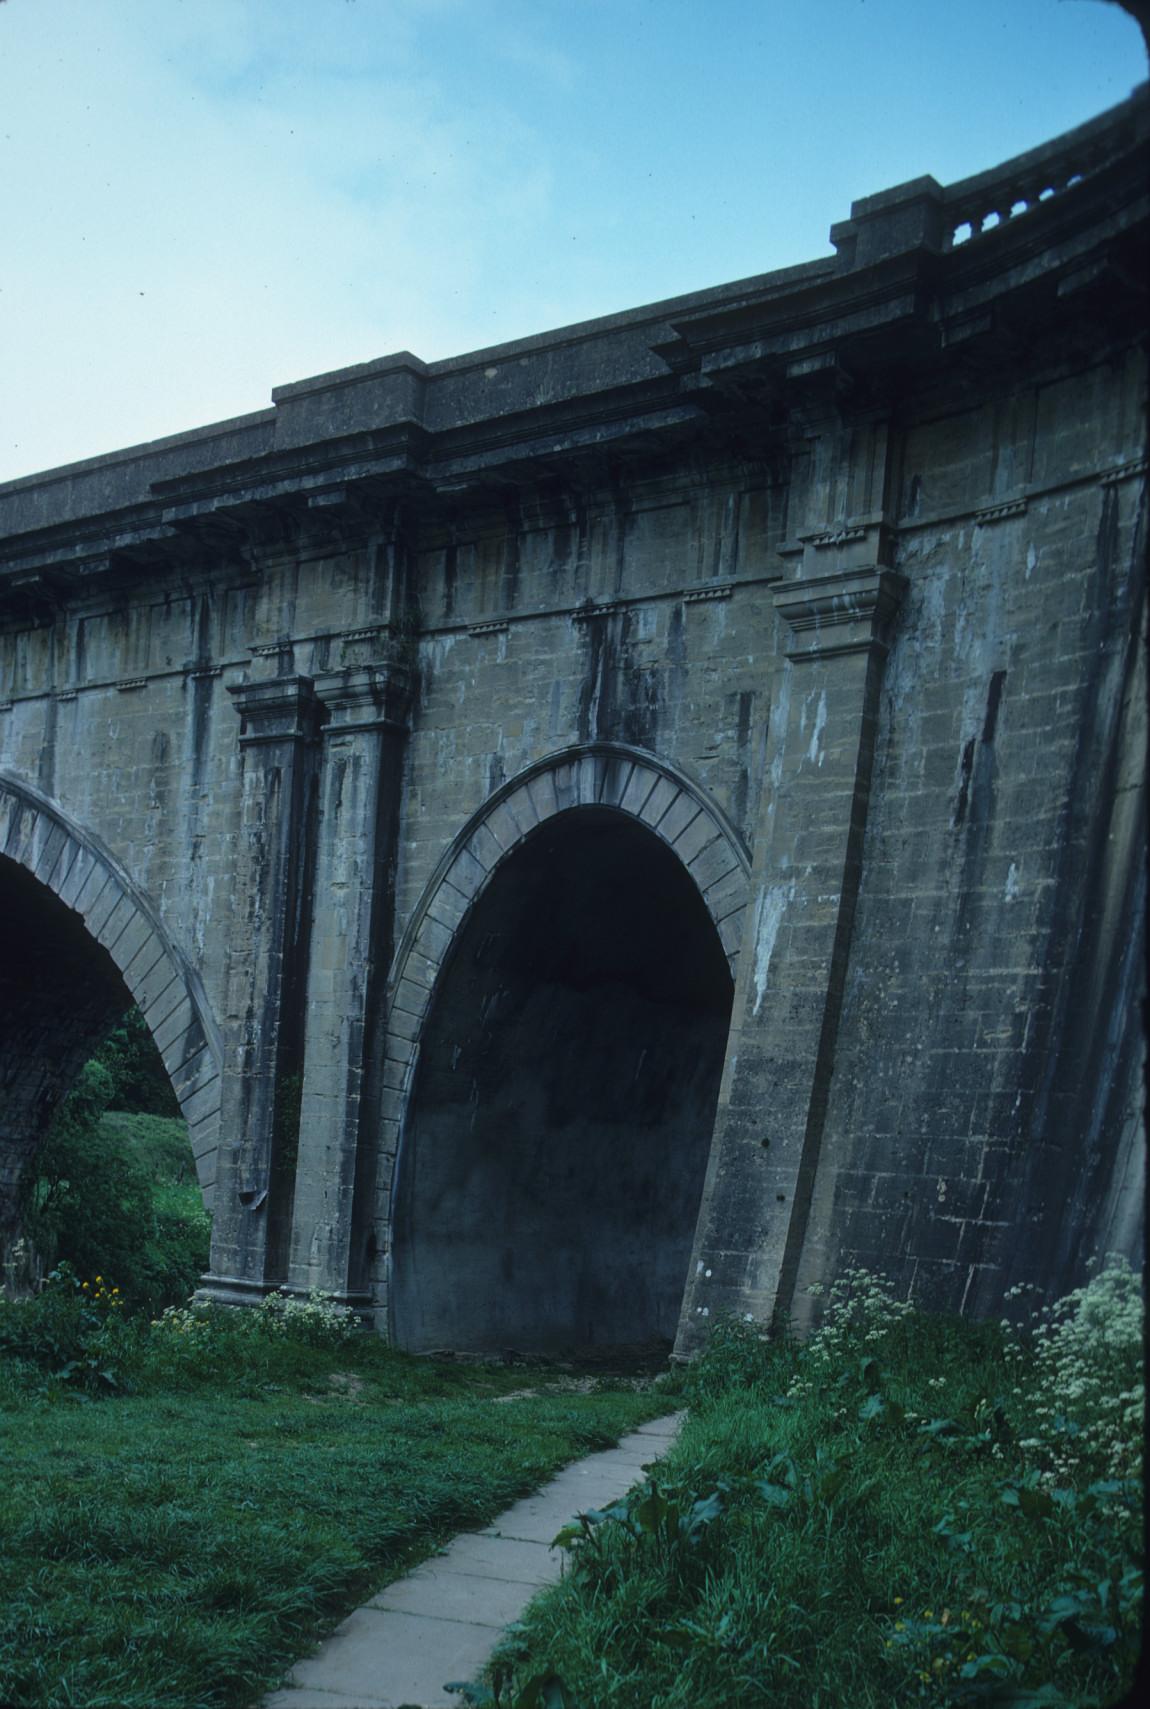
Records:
x=317, y=1321
x=95, y=1200
x=1088, y=1413
x=72, y=1330
x=666, y=1523
x=738, y=1355
x=139, y=1080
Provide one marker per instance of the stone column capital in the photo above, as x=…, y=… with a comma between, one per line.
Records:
x=847, y=611
x=365, y=697
x=279, y=709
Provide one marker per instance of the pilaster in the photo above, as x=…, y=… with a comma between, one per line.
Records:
x=266, y=975
x=333, y=1220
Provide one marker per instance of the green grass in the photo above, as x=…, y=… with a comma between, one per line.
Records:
x=158, y=1143
x=883, y=1534
x=183, y=1544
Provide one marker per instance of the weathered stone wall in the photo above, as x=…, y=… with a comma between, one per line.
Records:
x=990, y=1030
x=831, y=584
x=118, y=711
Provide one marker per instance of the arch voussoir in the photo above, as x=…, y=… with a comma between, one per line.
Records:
x=51, y=845
x=485, y=848
x=714, y=862
x=468, y=872
x=523, y=811
x=504, y=827
x=637, y=790
x=658, y=802
x=587, y=778
x=448, y=906
x=20, y=830
x=544, y=796
x=681, y=813
x=79, y=872
x=133, y=940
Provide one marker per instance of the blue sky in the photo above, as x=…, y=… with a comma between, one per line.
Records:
x=200, y=199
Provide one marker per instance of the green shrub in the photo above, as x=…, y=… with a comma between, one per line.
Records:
x=139, y=1079
x=1089, y=1398
x=95, y=1203
x=115, y=1194
x=73, y=1332
x=176, y=1253
x=861, y=1317
x=160, y=1143
x=87, y=1204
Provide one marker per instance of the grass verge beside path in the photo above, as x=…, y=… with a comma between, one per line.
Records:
x=181, y=1545
x=906, y=1511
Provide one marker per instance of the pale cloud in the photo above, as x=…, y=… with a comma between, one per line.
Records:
x=202, y=216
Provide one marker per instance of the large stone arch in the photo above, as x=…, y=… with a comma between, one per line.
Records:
x=37, y=835
x=606, y=776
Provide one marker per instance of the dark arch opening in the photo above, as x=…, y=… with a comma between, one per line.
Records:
x=561, y=1112
x=60, y=995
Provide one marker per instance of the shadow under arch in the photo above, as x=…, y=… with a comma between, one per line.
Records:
x=589, y=914
x=114, y=934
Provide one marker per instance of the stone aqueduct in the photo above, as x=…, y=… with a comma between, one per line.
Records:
x=613, y=828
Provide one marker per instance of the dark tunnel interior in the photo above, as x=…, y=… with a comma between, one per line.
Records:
x=561, y=1114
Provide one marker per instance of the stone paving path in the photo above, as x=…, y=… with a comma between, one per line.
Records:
x=442, y=1621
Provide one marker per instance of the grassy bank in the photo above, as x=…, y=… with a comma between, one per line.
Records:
x=116, y=1191
x=178, y=1534
x=907, y=1511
